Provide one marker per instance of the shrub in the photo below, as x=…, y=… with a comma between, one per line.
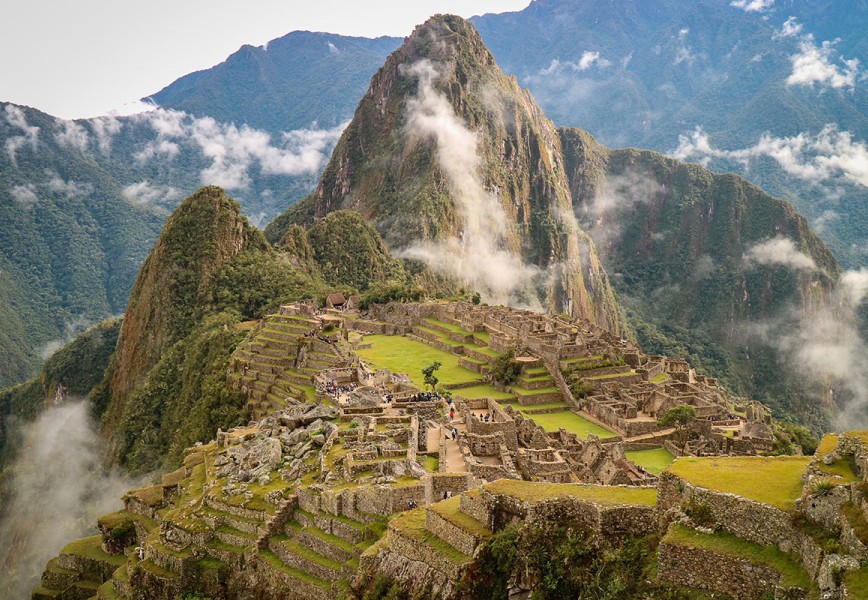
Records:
x=505, y=369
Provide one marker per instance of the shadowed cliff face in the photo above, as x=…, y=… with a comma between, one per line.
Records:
x=457, y=167
x=205, y=232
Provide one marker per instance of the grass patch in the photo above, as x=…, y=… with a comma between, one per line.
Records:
x=827, y=445
x=91, y=547
x=659, y=378
x=403, y=355
x=412, y=525
x=275, y=563
x=484, y=390
x=431, y=464
x=653, y=461
x=857, y=583
x=449, y=510
x=775, y=481
x=840, y=468
x=792, y=573
x=609, y=495
x=520, y=391
x=570, y=421
x=448, y=326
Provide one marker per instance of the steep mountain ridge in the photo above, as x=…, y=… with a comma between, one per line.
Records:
x=438, y=97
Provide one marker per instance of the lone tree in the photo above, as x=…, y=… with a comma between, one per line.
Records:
x=430, y=378
x=506, y=369
x=679, y=416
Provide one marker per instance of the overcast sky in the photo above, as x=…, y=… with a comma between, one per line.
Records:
x=83, y=58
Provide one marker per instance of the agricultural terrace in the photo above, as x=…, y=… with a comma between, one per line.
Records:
x=653, y=460
x=747, y=476
x=533, y=492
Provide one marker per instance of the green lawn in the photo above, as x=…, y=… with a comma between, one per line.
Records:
x=403, y=355
x=857, y=583
x=775, y=481
x=533, y=491
x=484, y=390
x=572, y=422
x=453, y=328
x=654, y=461
x=792, y=572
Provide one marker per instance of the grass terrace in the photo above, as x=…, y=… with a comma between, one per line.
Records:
x=792, y=572
x=775, y=481
x=483, y=390
x=611, y=495
x=91, y=547
x=827, y=445
x=403, y=355
x=653, y=461
x=857, y=583
x=570, y=421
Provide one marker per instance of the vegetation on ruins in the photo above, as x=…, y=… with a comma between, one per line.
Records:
x=505, y=369
x=679, y=416
x=430, y=378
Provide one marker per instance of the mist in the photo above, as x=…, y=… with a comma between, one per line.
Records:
x=479, y=256
x=55, y=491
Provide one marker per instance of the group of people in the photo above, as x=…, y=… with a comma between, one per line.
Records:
x=336, y=391
x=411, y=504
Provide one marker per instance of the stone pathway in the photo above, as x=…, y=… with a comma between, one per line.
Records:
x=454, y=456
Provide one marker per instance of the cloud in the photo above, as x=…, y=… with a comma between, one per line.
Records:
x=25, y=195
x=69, y=188
x=752, y=5
x=479, y=255
x=683, y=53
x=144, y=193
x=790, y=28
x=17, y=119
x=234, y=150
x=156, y=149
x=830, y=154
x=779, y=251
x=813, y=65
x=333, y=49
x=105, y=128
x=57, y=488
x=586, y=61
x=72, y=135
x=615, y=196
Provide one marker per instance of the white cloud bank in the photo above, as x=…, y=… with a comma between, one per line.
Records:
x=828, y=155
x=234, y=151
x=814, y=65
x=586, y=61
x=18, y=120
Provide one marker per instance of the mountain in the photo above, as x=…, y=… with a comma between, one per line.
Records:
x=408, y=163
x=82, y=201
x=673, y=237
x=634, y=74
x=270, y=87
x=70, y=244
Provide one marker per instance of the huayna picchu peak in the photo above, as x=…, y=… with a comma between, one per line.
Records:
x=487, y=357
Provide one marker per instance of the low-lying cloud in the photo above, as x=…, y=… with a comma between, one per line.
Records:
x=781, y=252
x=233, y=151
x=479, y=255
x=815, y=65
x=145, y=193
x=827, y=155
x=586, y=61
x=56, y=490
x=72, y=135
x=18, y=120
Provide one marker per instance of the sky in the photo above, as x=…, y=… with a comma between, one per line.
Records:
x=86, y=58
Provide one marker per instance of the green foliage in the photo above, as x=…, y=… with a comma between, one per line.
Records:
x=349, y=252
x=431, y=379
x=679, y=416
x=580, y=388
x=489, y=574
x=390, y=292
x=505, y=369
x=476, y=298
x=384, y=588
x=794, y=439
x=183, y=399
x=256, y=283
x=700, y=513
